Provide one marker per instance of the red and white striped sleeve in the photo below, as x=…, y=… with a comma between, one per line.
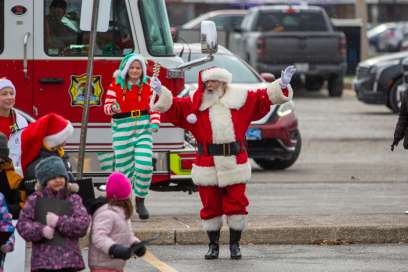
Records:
x=155, y=117
x=109, y=100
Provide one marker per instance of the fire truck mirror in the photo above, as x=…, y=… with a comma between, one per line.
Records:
x=209, y=43
x=103, y=15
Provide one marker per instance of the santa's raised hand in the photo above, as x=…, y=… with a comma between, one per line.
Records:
x=286, y=76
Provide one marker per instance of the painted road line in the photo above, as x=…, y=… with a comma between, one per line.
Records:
x=155, y=262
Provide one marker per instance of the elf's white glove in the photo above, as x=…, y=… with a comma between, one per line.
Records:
x=116, y=107
x=286, y=76
x=155, y=84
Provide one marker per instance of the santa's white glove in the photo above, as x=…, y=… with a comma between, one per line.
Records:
x=286, y=76
x=156, y=86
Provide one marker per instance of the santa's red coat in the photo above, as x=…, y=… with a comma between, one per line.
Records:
x=222, y=122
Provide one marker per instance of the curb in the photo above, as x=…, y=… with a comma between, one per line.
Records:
x=328, y=230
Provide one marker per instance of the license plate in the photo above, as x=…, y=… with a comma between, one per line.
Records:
x=253, y=134
x=302, y=67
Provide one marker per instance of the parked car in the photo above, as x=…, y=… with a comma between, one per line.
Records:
x=227, y=19
x=274, y=141
x=387, y=37
x=273, y=37
x=379, y=80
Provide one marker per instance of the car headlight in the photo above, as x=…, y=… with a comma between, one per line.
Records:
x=286, y=108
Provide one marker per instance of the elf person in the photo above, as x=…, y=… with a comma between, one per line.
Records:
x=127, y=102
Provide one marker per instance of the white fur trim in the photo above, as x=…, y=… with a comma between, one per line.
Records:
x=229, y=172
x=217, y=73
x=204, y=176
x=129, y=62
x=234, y=97
x=4, y=83
x=164, y=102
x=72, y=187
x=60, y=137
x=212, y=224
x=275, y=93
x=221, y=124
x=237, y=221
x=116, y=73
x=191, y=118
x=226, y=172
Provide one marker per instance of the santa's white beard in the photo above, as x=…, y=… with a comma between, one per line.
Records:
x=213, y=96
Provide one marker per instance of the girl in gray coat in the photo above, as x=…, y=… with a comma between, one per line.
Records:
x=112, y=241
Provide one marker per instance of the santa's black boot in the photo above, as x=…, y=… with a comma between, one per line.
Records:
x=213, y=246
x=141, y=209
x=235, y=237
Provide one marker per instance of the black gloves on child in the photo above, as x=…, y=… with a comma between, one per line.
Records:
x=120, y=252
x=123, y=252
x=138, y=249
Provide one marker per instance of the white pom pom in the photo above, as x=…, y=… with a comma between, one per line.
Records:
x=116, y=73
x=192, y=118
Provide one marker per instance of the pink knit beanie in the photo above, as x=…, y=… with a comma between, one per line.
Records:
x=118, y=187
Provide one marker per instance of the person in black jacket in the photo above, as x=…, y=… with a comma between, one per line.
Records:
x=402, y=124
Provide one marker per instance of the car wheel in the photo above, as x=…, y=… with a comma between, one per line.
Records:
x=279, y=164
x=335, y=85
x=314, y=84
x=396, y=92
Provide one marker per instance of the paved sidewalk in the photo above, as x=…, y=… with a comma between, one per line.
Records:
x=330, y=229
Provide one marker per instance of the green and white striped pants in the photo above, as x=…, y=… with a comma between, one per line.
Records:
x=133, y=151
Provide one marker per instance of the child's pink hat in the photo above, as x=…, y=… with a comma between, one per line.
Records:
x=118, y=187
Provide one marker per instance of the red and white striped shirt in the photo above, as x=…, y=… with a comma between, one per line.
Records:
x=132, y=99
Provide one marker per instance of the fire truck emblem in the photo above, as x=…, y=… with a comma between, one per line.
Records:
x=78, y=88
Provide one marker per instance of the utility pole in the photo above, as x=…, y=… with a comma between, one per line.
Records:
x=361, y=13
x=89, y=73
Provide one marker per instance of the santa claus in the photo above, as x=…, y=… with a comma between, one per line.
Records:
x=218, y=116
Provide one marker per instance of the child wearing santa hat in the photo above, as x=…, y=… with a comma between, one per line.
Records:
x=54, y=219
x=41, y=139
x=6, y=226
x=128, y=103
x=112, y=240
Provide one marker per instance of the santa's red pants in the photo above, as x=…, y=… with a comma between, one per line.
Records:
x=217, y=201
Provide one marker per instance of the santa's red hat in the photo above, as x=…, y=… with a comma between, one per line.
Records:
x=213, y=73
x=50, y=130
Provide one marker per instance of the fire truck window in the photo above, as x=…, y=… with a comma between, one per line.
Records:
x=1, y=26
x=156, y=27
x=62, y=36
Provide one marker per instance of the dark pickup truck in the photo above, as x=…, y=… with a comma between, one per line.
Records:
x=273, y=37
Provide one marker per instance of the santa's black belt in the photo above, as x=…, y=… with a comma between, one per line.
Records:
x=228, y=149
x=133, y=113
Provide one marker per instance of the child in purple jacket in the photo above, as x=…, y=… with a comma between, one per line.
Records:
x=5, y=226
x=54, y=219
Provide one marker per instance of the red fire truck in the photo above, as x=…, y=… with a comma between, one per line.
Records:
x=44, y=52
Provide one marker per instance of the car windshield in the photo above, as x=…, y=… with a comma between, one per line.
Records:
x=156, y=27
x=241, y=73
